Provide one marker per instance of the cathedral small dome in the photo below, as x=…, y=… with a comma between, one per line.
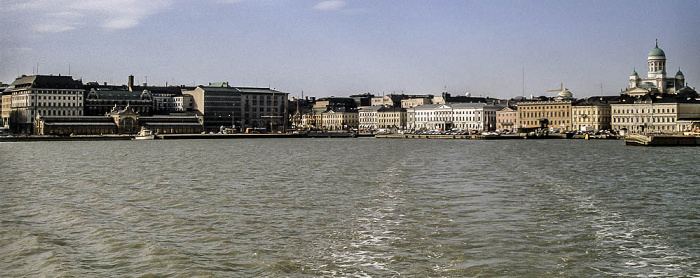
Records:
x=679, y=73
x=634, y=73
x=565, y=94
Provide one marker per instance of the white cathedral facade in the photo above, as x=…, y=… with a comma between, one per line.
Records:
x=657, y=82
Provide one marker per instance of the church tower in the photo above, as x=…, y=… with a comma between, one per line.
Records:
x=634, y=79
x=657, y=62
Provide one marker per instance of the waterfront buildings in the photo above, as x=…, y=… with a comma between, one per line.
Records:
x=465, y=116
x=331, y=113
x=241, y=107
x=117, y=121
x=100, y=101
x=368, y=118
x=592, y=114
x=48, y=95
x=553, y=113
x=656, y=103
x=655, y=114
x=339, y=119
x=373, y=118
x=507, y=118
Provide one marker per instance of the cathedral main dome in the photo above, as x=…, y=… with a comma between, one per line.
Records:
x=657, y=52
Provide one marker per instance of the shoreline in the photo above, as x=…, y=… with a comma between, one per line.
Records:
x=115, y=137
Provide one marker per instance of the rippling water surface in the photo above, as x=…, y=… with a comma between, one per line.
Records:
x=348, y=208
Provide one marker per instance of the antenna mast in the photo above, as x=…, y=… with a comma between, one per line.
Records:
x=523, y=82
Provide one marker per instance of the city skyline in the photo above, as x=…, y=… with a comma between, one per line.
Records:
x=348, y=47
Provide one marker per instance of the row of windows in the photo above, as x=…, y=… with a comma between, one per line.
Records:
x=544, y=114
x=642, y=120
x=462, y=119
x=57, y=97
x=457, y=112
x=60, y=112
x=338, y=116
x=643, y=110
x=255, y=102
x=61, y=104
x=588, y=112
x=593, y=119
x=47, y=92
x=548, y=107
x=552, y=123
x=267, y=97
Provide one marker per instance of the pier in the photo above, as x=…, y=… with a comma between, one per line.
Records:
x=662, y=140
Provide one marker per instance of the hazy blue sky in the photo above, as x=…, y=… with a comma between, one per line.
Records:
x=343, y=47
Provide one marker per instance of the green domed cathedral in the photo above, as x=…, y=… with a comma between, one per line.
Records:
x=657, y=82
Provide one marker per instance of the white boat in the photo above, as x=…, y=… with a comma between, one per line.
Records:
x=145, y=134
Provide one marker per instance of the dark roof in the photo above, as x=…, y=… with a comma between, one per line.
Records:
x=685, y=97
x=381, y=108
x=77, y=119
x=114, y=94
x=246, y=90
x=597, y=101
x=365, y=95
x=45, y=82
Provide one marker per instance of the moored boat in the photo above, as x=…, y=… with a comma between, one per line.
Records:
x=145, y=134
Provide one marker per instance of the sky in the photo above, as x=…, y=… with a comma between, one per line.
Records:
x=500, y=49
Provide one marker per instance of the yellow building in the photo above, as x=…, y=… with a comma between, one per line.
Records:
x=590, y=117
x=339, y=119
x=550, y=114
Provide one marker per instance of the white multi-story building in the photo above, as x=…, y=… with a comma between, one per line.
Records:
x=45, y=95
x=465, y=116
x=368, y=117
x=649, y=116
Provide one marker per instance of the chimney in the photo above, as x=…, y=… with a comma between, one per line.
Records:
x=131, y=82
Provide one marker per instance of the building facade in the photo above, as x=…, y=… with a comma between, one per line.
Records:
x=241, y=107
x=416, y=101
x=464, y=116
x=549, y=114
x=100, y=101
x=339, y=119
x=591, y=117
x=373, y=118
x=647, y=115
x=368, y=118
x=46, y=95
x=391, y=100
x=507, y=119
x=183, y=103
x=117, y=121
